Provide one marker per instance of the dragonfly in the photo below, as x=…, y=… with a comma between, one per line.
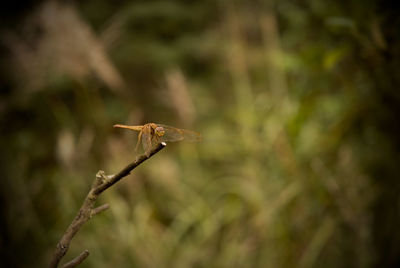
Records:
x=151, y=134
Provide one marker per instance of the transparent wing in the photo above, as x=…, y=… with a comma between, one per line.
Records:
x=146, y=141
x=138, y=141
x=175, y=134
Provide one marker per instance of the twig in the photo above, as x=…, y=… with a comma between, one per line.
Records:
x=100, y=184
x=78, y=260
x=99, y=209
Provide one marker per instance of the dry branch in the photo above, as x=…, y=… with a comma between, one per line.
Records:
x=100, y=184
x=78, y=260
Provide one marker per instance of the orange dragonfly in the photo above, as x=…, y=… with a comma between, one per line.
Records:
x=152, y=133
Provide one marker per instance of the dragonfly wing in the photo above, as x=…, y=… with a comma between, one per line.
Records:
x=191, y=136
x=175, y=134
x=146, y=141
x=171, y=134
x=138, y=141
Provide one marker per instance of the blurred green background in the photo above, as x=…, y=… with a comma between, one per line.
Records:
x=297, y=101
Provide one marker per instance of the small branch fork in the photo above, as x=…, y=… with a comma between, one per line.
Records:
x=101, y=183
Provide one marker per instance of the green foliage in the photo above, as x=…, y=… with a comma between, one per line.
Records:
x=296, y=102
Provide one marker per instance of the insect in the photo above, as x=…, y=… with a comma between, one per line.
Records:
x=152, y=133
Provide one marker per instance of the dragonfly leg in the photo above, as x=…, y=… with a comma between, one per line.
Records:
x=157, y=139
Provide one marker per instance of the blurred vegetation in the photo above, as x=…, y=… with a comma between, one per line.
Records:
x=297, y=101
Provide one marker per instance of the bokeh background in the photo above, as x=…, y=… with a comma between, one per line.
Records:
x=297, y=101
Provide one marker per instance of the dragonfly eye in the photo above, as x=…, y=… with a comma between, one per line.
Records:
x=160, y=131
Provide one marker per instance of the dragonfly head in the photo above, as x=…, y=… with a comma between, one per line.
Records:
x=159, y=131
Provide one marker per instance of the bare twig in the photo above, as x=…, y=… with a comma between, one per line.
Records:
x=79, y=259
x=100, y=184
x=99, y=209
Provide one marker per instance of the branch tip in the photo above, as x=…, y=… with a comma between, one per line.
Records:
x=99, y=209
x=77, y=260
